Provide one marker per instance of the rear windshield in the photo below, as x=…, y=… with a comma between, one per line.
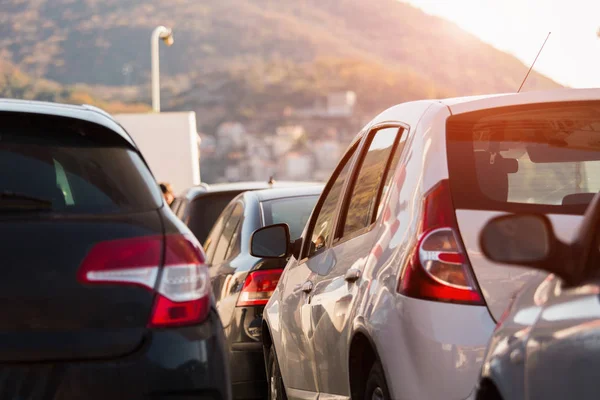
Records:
x=535, y=158
x=204, y=211
x=70, y=166
x=294, y=211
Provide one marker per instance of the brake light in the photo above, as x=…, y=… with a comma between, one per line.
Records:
x=259, y=287
x=439, y=269
x=183, y=290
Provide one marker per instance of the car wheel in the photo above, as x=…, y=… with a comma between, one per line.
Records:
x=276, y=387
x=376, y=388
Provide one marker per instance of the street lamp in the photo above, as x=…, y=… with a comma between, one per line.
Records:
x=166, y=35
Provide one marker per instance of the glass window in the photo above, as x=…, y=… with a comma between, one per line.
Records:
x=226, y=239
x=75, y=166
x=293, y=211
x=392, y=170
x=204, y=210
x=210, y=245
x=534, y=158
x=322, y=228
x=364, y=198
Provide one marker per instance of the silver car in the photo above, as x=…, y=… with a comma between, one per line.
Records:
x=387, y=294
x=548, y=344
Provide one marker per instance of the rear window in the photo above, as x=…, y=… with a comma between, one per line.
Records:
x=70, y=166
x=294, y=211
x=535, y=158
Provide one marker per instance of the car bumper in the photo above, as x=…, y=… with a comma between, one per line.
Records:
x=183, y=363
x=433, y=350
x=248, y=376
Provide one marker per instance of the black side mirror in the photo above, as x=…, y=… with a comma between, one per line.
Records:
x=518, y=239
x=527, y=240
x=271, y=242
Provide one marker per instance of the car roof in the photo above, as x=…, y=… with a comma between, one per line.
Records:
x=204, y=189
x=281, y=193
x=412, y=111
x=461, y=105
x=81, y=112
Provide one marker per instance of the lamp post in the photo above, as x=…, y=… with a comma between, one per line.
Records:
x=166, y=35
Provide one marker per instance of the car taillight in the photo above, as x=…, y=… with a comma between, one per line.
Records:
x=258, y=287
x=183, y=293
x=439, y=269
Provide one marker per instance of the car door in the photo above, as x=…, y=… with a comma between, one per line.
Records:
x=563, y=348
x=295, y=354
x=339, y=278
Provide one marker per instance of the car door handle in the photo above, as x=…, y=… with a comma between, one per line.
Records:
x=307, y=287
x=352, y=275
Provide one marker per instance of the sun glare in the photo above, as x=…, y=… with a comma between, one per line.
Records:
x=572, y=54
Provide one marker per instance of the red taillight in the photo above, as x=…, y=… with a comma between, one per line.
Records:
x=183, y=293
x=259, y=287
x=438, y=269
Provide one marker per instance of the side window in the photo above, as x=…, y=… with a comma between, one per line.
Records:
x=396, y=155
x=226, y=240
x=371, y=176
x=322, y=228
x=210, y=245
x=235, y=246
x=63, y=183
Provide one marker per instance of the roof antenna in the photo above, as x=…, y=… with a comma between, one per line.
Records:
x=536, y=57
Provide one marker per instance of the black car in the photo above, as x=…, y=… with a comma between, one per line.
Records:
x=199, y=206
x=242, y=284
x=105, y=292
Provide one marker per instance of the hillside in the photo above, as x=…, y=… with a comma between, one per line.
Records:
x=248, y=55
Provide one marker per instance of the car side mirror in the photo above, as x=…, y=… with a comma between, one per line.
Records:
x=518, y=239
x=527, y=240
x=272, y=241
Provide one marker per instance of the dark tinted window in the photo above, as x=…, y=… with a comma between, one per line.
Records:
x=534, y=158
x=77, y=166
x=322, y=227
x=204, y=211
x=227, y=237
x=210, y=245
x=364, y=197
x=294, y=211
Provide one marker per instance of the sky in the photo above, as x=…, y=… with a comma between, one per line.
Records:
x=571, y=55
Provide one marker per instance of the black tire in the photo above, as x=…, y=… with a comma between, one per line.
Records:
x=276, y=389
x=376, y=387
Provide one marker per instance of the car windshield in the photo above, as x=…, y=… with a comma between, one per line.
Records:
x=543, y=158
x=294, y=211
x=69, y=166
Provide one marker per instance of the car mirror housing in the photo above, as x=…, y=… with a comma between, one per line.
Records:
x=272, y=241
x=528, y=240
x=518, y=239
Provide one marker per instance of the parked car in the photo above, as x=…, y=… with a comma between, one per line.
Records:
x=388, y=295
x=199, y=206
x=105, y=292
x=546, y=345
x=242, y=284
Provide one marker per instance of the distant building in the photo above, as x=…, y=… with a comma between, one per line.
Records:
x=334, y=105
x=341, y=104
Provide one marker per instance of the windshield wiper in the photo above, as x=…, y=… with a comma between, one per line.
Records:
x=10, y=199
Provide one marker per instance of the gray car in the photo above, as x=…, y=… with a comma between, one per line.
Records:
x=547, y=345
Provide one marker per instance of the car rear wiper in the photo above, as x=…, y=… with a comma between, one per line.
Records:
x=10, y=199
